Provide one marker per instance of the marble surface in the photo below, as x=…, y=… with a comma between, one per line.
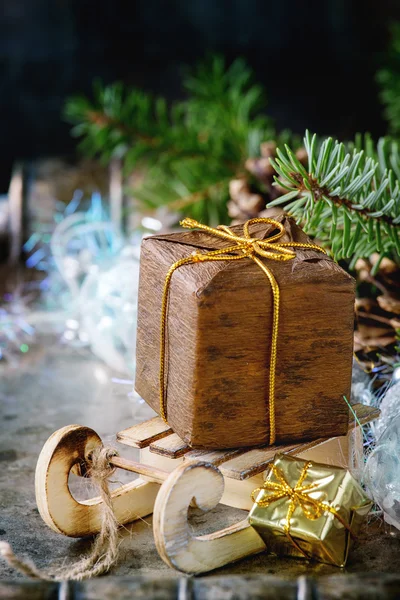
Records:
x=55, y=385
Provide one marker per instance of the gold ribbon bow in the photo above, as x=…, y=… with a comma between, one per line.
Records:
x=245, y=246
x=299, y=496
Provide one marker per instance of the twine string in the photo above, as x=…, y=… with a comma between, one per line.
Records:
x=245, y=246
x=104, y=551
x=298, y=496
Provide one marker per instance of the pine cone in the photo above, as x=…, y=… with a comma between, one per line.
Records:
x=388, y=304
x=248, y=200
x=243, y=204
x=377, y=311
x=261, y=167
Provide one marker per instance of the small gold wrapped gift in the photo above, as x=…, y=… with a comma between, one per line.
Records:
x=307, y=509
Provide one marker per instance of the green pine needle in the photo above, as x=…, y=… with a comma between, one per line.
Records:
x=188, y=151
x=347, y=198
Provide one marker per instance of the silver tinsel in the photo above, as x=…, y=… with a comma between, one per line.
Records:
x=382, y=471
x=360, y=386
x=390, y=409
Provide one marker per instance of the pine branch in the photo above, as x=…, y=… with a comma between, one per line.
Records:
x=101, y=120
x=348, y=197
x=190, y=199
x=310, y=183
x=189, y=150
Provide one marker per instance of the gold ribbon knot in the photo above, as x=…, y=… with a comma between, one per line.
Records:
x=245, y=246
x=299, y=496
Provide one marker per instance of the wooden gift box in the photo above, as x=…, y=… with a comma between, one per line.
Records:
x=219, y=328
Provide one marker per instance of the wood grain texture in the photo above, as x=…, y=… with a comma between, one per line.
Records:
x=175, y=542
x=219, y=335
x=67, y=447
x=239, y=477
x=361, y=414
x=252, y=586
x=155, y=474
x=245, y=463
x=171, y=446
x=159, y=461
x=143, y=434
x=253, y=462
x=333, y=451
x=70, y=447
x=215, y=457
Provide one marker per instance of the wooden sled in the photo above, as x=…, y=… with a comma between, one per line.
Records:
x=173, y=477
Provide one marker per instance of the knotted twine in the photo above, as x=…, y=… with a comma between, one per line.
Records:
x=244, y=247
x=298, y=495
x=104, y=552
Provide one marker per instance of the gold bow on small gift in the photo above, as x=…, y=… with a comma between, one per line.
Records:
x=245, y=246
x=298, y=496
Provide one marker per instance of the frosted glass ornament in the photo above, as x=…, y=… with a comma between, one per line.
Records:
x=390, y=409
x=382, y=473
x=80, y=245
x=108, y=312
x=360, y=386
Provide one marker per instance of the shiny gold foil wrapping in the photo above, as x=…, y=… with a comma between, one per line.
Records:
x=324, y=538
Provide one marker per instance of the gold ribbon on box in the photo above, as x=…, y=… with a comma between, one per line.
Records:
x=246, y=246
x=298, y=495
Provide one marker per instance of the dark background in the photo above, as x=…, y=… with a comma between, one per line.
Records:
x=317, y=59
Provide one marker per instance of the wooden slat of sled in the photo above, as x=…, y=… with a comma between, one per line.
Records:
x=256, y=460
x=363, y=415
x=171, y=446
x=215, y=457
x=142, y=435
x=156, y=434
x=252, y=462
